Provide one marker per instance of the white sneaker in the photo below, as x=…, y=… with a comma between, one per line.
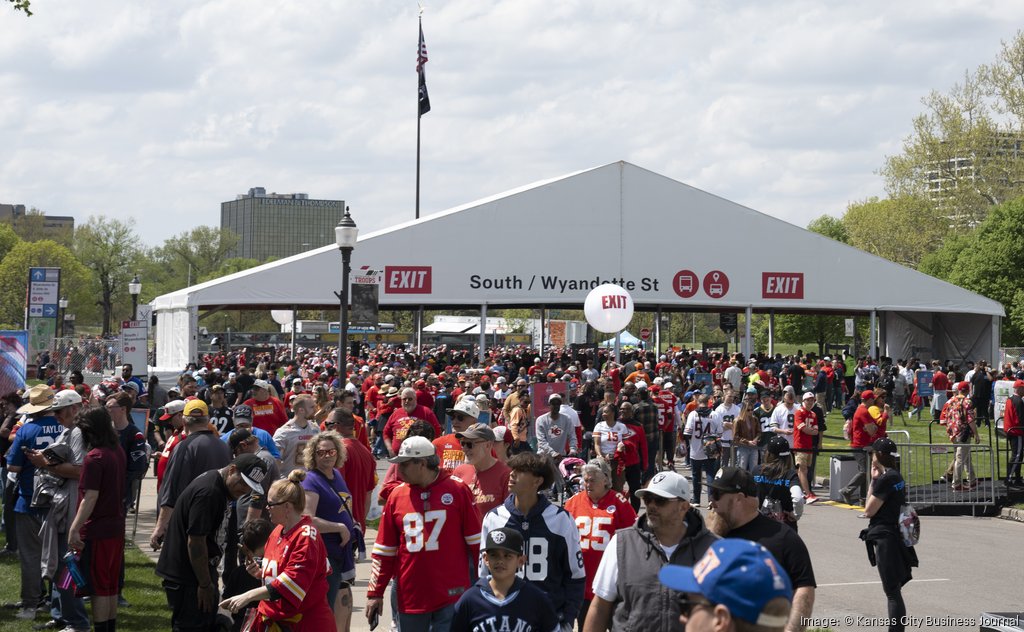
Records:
x=26, y=614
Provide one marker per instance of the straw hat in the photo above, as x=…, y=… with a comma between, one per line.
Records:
x=40, y=398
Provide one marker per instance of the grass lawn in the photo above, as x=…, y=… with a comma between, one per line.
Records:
x=142, y=589
x=919, y=466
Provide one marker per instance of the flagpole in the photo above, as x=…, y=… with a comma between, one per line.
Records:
x=419, y=115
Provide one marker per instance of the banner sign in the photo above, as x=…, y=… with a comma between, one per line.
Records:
x=13, y=360
x=135, y=345
x=41, y=309
x=924, y=384
x=1002, y=389
x=364, y=305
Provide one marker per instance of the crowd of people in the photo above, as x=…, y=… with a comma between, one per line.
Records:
x=581, y=508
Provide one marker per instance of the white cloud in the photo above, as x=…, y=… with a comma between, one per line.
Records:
x=155, y=109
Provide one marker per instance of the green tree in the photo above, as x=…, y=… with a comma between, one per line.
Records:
x=8, y=239
x=75, y=277
x=988, y=261
x=22, y=5
x=831, y=227
x=108, y=247
x=902, y=229
x=964, y=152
x=32, y=227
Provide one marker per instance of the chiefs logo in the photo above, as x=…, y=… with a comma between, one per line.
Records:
x=555, y=431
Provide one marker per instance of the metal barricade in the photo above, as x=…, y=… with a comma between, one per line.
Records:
x=927, y=469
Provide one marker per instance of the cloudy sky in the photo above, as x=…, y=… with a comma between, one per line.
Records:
x=161, y=109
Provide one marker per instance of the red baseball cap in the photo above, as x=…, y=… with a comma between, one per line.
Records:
x=867, y=395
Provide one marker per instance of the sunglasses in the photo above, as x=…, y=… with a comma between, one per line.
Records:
x=687, y=603
x=331, y=452
x=467, y=444
x=716, y=494
x=656, y=500
x=270, y=504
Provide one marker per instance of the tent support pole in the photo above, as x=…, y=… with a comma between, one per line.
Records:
x=771, y=333
x=419, y=329
x=657, y=331
x=543, y=318
x=883, y=335
x=873, y=334
x=746, y=327
x=483, y=333
x=618, y=348
x=295, y=316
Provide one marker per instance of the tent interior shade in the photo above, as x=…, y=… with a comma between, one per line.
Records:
x=639, y=215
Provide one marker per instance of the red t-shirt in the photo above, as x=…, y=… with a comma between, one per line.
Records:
x=165, y=456
x=295, y=563
x=360, y=474
x=424, y=398
x=449, y=450
x=103, y=470
x=636, y=446
x=861, y=418
x=268, y=415
x=596, y=524
x=940, y=382
x=398, y=424
x=802, y=417
x=489, y=488
x=430, y=536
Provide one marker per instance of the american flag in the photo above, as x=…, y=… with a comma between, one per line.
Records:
x=421, y=60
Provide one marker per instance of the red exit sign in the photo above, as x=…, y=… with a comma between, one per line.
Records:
x=782, y=285
x=407, y=279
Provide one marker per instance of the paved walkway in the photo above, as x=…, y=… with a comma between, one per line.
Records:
x=147, y=520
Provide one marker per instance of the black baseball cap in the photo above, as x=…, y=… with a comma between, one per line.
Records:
x=885, y=445
x=734, y=480
x=253, y=470
x=505, y=539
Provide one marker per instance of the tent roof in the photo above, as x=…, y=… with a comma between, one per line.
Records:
x=549, y=243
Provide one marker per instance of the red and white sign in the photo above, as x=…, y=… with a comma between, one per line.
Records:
x=716, y=284
x=407, y=280
x=685, y=283
x=645, y=333
x=782, y=285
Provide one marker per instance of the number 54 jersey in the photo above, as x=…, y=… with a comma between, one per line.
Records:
x=428, y=536
x=554, y=561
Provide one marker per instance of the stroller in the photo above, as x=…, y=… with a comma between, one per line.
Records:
x=570, y=469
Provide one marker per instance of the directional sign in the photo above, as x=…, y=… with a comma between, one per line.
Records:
x=35, y=311
x=727, y=322
x=38, y=274
x=49, y=311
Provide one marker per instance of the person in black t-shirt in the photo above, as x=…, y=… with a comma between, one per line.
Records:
x=981, y=393
x=735, y=514
x=221, y=415
x=886, y=550
x=190, y=552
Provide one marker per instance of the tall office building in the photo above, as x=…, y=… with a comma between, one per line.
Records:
x=279, y=224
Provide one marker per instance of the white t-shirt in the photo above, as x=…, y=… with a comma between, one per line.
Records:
x=610, y=436
x=782, y=418
x=698, y=428
x=606, y=579
x=569, y=412
x=728, y=414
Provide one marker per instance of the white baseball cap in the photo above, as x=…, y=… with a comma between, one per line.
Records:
x=414, y=448
x=65, y=398
x=467, y=406
x=667, y=485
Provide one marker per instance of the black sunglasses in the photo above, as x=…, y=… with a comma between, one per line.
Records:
x=687, y=603
x=716, y=494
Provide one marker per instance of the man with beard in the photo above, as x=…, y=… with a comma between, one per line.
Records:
x=627, y=595
x=398, y=424
x=736, y=515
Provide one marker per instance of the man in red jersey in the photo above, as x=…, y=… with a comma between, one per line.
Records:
x=400, y=420
x=805, y=427
x=267, y=411
x=449, y=450
x=863, y=435
x=429, y=535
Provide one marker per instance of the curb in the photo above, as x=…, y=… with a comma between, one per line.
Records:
x=1011, y=513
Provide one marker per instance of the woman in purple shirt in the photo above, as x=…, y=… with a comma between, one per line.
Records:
x=329, y=503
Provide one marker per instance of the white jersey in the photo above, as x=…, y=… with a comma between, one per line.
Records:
x=291, y=441
x=699, y=427
x=782, y=418
x=728, y=415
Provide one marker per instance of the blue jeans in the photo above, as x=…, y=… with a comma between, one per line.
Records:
x=746, y=457
x=700, y=466
x=653, y=443
x=437, y=621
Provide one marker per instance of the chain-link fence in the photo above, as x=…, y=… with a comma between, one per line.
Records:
x=91, y=355
x=1008, y=355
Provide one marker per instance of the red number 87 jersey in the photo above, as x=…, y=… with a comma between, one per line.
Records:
x=596, y=524
x=432, y=534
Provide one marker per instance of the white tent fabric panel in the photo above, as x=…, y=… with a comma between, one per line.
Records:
x=176, y=337
x=941, y=336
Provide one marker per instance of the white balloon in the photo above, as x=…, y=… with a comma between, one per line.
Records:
x=608, y=308
x=281, y=316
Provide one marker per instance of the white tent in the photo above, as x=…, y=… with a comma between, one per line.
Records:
x=626, y=339
x=672, y=246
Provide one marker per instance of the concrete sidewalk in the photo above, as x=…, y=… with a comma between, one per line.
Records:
x=147, y=520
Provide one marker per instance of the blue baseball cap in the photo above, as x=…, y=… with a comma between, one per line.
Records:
x=739, y=574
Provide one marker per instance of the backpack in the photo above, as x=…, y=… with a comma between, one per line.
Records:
x=910, y=525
